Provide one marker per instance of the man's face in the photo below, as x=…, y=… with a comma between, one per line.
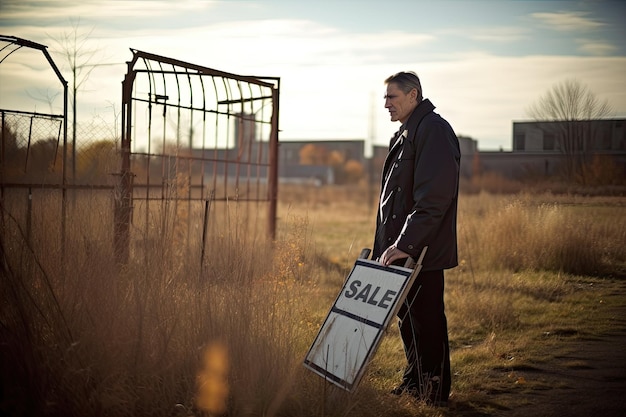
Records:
x=399, y=103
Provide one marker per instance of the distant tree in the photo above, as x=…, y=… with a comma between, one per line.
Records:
x=9, y=141
x=21, y=160
x=575, y=108
x=12, y=155
x=354, y=171
x=604, y=170
x=336, y=159
x=311, y=154
x=44, y=96
x=97, y=162
x=40, y=166
x=477, y=166
x=72, y=45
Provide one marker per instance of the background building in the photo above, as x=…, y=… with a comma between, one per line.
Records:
x=539, y=150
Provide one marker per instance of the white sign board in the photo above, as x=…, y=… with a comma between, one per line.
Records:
x=353, y=328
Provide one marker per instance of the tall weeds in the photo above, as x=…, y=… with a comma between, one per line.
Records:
x=529, y=232
x=88, y=337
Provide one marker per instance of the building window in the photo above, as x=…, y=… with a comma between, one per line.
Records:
x=519, y=142
x=548, y=142
x=606, y=141
x=619, y=143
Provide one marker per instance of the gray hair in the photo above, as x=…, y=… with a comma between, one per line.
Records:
x=406, y=81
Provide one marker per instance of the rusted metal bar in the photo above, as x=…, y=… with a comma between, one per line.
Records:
x=32, y=113
x=273, y=170
x=123, y=201
x=201, y=69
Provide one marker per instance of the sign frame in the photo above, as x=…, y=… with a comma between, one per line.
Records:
x=369, y=299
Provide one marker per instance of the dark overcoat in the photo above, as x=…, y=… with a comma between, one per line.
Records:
x=420, y=186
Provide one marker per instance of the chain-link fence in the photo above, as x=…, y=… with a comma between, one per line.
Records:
x=95, y=159
x=31, y=148
x=33, y=151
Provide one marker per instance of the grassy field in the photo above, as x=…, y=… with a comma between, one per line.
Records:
x=170, y=335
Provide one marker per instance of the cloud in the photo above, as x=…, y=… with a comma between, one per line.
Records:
x=568, y=21
x=270, y=45
x=597, y=48
x=499, y=34
x=28, y=10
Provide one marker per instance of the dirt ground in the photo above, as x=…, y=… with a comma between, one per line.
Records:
x=588, y=380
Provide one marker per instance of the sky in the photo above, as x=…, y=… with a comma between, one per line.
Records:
x=482, y=63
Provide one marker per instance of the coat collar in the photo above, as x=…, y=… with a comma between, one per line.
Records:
x=407, y=130
x=422, y=109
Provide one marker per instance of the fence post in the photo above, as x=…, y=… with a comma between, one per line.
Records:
x=123, y=198
x=273, y=159
x=123, y=209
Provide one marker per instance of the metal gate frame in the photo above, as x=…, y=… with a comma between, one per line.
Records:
x=17, y=43
x=20, y=43
x=157, y=70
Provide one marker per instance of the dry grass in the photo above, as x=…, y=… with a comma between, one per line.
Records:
x=169, y=335
x=541, y=232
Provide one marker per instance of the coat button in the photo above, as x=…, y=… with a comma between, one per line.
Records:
x=399, y=188
x=393, y=216
x=388, y=239
x=410, y=246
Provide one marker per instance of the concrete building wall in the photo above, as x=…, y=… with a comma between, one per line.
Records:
x=524, y=165
x=596, y=135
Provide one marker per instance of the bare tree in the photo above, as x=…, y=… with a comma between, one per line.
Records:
x=73, y=46
x=569, y=110
x=44, y=96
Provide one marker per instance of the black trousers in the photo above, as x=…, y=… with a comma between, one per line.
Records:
x=424, y=331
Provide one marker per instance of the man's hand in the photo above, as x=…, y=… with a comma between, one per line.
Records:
x=391, y=254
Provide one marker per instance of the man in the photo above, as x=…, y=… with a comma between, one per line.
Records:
x=418, y=205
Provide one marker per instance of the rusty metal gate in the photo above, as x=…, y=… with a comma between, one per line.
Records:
x=21, y=130
x=33, y=145
x=194, y=133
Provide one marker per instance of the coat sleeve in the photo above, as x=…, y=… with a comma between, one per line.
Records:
x=435, y=185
